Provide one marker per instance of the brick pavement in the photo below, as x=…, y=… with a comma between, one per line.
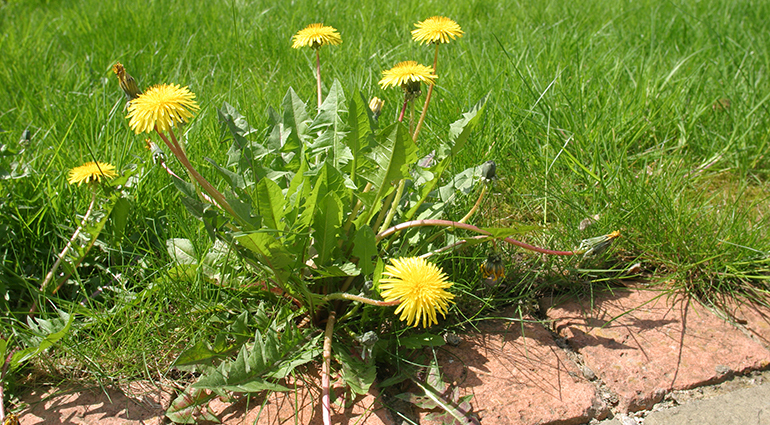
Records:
x=621, y=352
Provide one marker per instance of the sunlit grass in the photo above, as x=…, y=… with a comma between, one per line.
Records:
x=652, y=115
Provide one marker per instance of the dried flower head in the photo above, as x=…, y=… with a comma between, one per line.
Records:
x=127, y=82
x=315, y=36
x=436, y=29
x=91, y=172
x=161, y=106
x=421, y=288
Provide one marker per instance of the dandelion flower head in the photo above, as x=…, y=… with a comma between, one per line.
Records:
x=315, y=36
x=421, y=288
x=405, y=74
x=161, y=106
x=436, y=29
x=91, y=172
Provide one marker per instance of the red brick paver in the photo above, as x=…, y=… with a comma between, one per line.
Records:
x=643, y=344
x=755, y=318
x=519, y=379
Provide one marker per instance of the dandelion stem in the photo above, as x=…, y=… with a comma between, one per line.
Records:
x=451, y=246
x=394, y=205
x=455, y=224
x=427, y=99
x=403, y=108
x=351, y=297
x=475, y=206
x=326, y=368
x=66, y=249
x=318, y=75
x=218, y=197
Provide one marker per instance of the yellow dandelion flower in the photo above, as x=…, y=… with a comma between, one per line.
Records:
x=436, y=29
x=127, y=82
x=315, y=36
x=406, y=75
x=420, y=286
x=161, y=106
x=91, y=172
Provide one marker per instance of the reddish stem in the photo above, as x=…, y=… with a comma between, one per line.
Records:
x=455, y=224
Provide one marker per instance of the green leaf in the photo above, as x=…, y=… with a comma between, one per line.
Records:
x=236, y=181
x=426, y=339
x=120, y=219
x=365, y=249
x=361, y=132
x=243, y=153
x=200, y=353
x=357, y=374
x=331, y=130
x=255, y=367
x=391, y=157
x=327, y=224
x=272, y=251
x=270, y=203
x=181, y=250
x=294, y=117
x=54, y=332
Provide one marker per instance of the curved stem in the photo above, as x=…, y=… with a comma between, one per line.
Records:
x=451, y=246
x=318, y=75
x=351, y=297
x=326, y=368
x=454, y=224
x=66, y=249
x=427, y=99
x=218, y=197
x=475, y=206
x=394, y=205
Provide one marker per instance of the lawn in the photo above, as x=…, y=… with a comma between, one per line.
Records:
x=645, y=117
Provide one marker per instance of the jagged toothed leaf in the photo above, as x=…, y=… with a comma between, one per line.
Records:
x=389, y=160
x=295, y=116
x=188, y=406
x=331, y=108
x=243, y=153
x=331, y=130
x=343, y=270
x=462, y=182
x=256, y=368
x=358, y=375
x=120, y=218
x=94, y=226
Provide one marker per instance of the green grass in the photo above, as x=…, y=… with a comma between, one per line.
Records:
x=651, y=114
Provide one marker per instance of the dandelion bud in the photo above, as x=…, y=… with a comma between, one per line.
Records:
x=488, y=171
x=376, y=106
